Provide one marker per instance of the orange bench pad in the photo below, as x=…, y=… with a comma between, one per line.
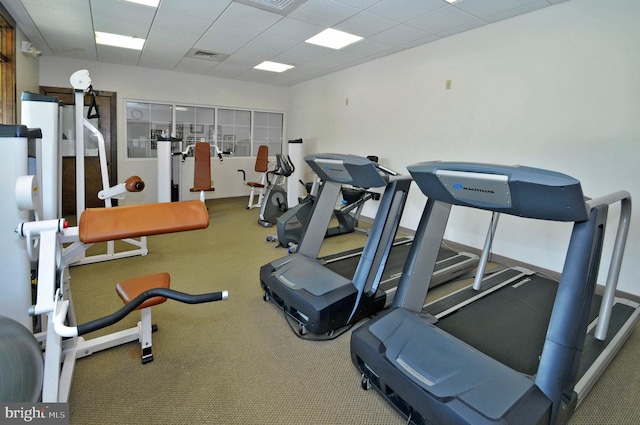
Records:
x=131, y=288
x=132, y=221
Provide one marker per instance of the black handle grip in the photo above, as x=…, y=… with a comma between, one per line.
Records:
x=182, y=297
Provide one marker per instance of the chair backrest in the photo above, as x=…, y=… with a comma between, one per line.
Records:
x=262, y=160
x=202, y=166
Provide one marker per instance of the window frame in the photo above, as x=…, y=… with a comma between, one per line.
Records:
x=223, y=146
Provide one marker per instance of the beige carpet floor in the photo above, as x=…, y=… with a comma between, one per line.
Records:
x=237, y=361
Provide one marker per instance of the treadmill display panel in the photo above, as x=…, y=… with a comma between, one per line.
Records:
x=482, y=189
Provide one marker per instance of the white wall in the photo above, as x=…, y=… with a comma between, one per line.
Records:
x=558, y=88
x=133, y=83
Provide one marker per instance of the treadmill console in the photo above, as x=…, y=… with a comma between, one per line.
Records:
x=346, y=169
x=516, y=190
x=475, y=187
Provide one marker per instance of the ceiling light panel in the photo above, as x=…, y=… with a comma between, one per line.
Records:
x=273, y=66
x=117, y=40
x=333, y=39
x=151, y=3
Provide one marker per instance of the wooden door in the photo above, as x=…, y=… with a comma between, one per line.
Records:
x=106, y=106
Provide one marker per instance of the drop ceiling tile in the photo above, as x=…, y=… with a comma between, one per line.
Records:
x=462, y=28
x=223, y=38
x=365, y=24
x=161, y=47
x=326, y=13
x=333, y=60
x=116, y=10
x=69, y=5
x=210, y=9
x=265, y=47
x=73, y=44
x=485, y=8
x=442, y=19
x=301, y=53
x=246, y=63
x=194, y=66
x=292, y=76
x=227, y=70
x=295, y=29
x=117, y=55
x=400, y=34
x=420, y=41
x=174, y=22
x=243, y=16
x=49, y=18
x=254, y=75
x=530, y=7
x=120, y=26
x=84, y=55
x=360, y=4
x=390, y=51
x=178, y=38
x=404, y=10
x=159, y=61
x=74, y=47
x=366, y=47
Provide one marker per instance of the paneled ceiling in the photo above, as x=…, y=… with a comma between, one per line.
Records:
x=225, y=38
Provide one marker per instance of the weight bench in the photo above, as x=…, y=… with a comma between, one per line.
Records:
x=103, y=224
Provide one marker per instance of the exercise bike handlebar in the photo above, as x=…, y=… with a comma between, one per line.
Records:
x=111, y=319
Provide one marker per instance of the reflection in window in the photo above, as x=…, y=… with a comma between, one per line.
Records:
x=145, y=123
x=235, y=132
x=195, y=124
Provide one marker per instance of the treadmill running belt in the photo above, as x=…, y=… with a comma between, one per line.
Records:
x=346, y=267
x=517, y=341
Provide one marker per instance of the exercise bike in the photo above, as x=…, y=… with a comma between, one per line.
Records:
x=275, y=199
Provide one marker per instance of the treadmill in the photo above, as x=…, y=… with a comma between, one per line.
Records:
x=523, y=349
x=326, y=294
x=450, y=265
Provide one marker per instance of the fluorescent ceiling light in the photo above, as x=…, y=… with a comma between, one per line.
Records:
x=273, y=66
x=116, y=40
x=333, y=39
x=448, y=1
x=152, y=3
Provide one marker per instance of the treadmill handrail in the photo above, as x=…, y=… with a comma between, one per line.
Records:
x=606, y=307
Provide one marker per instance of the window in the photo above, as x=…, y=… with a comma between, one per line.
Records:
x=7, y=68
x=236, y=132
x=145, y=122
x=195, y=124
x=267, y=130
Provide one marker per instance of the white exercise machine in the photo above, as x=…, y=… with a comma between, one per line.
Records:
x=81, y=82
x=62, y=338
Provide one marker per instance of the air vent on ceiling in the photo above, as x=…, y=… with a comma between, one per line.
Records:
x=283, y=7
x=210, y=56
